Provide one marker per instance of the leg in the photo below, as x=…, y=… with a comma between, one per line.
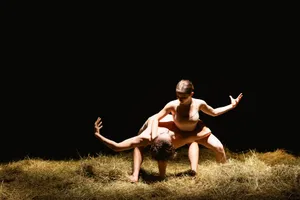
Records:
x=138, y=154
x=137, y=162
x=194, y=156
x=213, y=143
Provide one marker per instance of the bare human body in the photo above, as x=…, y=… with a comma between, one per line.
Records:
x=166, y=132
x=185, y=111
x=166, y=126
x=184, y=125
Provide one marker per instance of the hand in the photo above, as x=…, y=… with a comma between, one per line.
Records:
x=234, y=102
x=98, y=125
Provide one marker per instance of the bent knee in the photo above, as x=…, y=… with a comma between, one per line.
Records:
x=218, y=148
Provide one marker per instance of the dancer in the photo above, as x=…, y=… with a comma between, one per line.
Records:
x=162, y=147
x=185, y=111
x=184, y=127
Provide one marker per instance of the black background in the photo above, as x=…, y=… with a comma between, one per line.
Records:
x=63, y=69
x=52, y=117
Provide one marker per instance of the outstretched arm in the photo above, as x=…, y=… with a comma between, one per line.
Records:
x=127, y=144
x=207, y=109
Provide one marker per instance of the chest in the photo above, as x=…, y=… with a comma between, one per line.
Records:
x=189, y=113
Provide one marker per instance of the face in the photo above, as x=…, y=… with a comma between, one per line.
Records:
x=183, y=97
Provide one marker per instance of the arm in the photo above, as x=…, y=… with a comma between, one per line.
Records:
x=121, y=146
x=162, y=167
x=154, y=122
x=207, y=109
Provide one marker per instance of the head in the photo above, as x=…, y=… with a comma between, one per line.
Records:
x=184, y=90
x=162, y=148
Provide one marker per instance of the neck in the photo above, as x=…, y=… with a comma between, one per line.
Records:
x=187, y=103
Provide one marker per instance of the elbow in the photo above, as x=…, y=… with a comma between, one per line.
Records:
x=154, y=117
x=150, y=119
x=214, y=114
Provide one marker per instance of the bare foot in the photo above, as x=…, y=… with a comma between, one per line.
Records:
x=133, y=179
x=191, y=172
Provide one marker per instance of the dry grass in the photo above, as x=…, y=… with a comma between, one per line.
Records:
x=250, y=175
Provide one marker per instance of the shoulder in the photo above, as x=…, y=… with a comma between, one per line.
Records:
x=199, y=101
x=172, y=103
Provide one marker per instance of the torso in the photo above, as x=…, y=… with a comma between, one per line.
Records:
x=184, y=124
x=186, y=117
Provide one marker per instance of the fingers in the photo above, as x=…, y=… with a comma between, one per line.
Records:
x=98, y=123
x=98, y=120
x=240, y=96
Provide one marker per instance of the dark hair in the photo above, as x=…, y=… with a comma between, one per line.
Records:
x=162, y=150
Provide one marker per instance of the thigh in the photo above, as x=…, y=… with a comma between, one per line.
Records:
x=200, y=132
x=210, y=142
